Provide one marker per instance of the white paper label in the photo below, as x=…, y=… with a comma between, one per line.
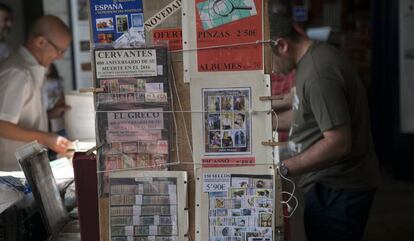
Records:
x=138, y=119
x=216, y=182
x=125, y=63
x=160, y=17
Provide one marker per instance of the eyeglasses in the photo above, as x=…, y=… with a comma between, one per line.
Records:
x=59, y=50
x=273, y=44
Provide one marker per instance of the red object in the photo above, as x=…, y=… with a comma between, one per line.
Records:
x=174, y=36
x=231, y=46
x=86, y=183
x=228, y=161
x=281, y=84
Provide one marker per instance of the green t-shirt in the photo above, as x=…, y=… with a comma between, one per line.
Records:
x=328, y=94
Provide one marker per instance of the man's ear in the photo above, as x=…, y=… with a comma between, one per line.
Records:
x=40, y=41
x=283, y=46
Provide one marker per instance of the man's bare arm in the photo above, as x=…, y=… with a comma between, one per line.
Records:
x=283, y=104
x=335, y=144
x=15, y=132
x=283, y=121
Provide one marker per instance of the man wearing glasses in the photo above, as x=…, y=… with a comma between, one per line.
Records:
x=6, y=23
x=330, y=138
x=22, y=115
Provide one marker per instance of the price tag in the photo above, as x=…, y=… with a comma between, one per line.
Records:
x=216, y=182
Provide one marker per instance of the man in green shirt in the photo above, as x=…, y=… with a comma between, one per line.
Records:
x=330, y=136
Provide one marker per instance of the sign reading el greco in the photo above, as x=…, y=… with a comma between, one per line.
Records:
x=135, y=138
x=131, y=120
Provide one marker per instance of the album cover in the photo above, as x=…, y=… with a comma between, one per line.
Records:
x=121, y=20
x=227, y=121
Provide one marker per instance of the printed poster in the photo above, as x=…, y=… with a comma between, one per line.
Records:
x=240, y=207
x=119, y=23
x=227, y=122
x=229, y=22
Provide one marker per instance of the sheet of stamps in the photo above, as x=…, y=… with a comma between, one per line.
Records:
x=143, y=208
x=243, y=212
x=227, y=120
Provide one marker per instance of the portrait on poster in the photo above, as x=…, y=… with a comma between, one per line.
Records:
x=227, y=122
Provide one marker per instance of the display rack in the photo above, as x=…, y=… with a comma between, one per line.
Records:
x=128, y=93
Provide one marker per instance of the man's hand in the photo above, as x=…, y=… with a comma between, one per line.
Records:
x=12, y=131
x=58, y=109
x=335, y=144
x=57, y=143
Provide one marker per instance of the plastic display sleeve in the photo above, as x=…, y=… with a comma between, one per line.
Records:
x=133, y=112
x=149, y=204
x=132, y=78
x=237, y=201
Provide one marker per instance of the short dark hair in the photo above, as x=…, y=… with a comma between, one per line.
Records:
x=4, y=7
x=281, y=22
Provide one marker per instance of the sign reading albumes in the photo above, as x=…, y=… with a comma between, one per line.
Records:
x=125, y=63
